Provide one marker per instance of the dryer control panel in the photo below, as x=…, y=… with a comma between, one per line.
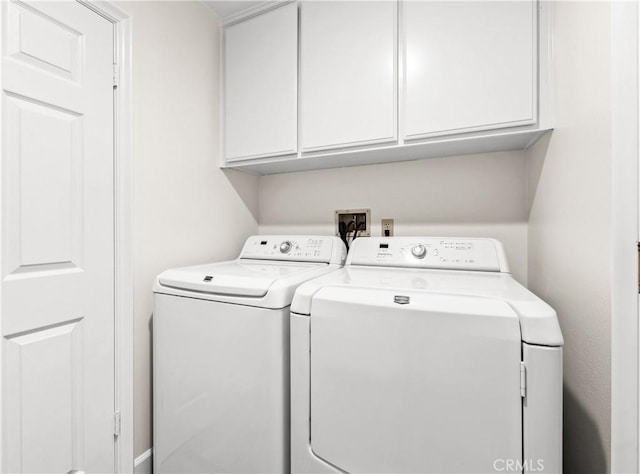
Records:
x=297, y=248
x=446, y=253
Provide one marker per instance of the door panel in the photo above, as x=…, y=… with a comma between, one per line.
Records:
x=43, y=42
x=46, y=361
x=432, y=386
x=468, y=66
x=44, y=144
x=348, y=73
x=57, y=216
x=260, y=85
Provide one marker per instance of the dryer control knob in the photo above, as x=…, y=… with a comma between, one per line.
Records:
x=285, y=247
x=419, y=251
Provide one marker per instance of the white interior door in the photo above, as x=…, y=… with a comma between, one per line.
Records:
x=57, y=216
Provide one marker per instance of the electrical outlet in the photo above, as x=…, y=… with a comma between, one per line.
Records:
x=387, y=227
x=350, y=220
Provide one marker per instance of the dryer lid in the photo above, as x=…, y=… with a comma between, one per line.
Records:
x=538, y=321
x=249, y=278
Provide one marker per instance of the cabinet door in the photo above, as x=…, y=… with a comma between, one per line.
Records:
x=348, y=73
x=468, y=66
x=260, y=83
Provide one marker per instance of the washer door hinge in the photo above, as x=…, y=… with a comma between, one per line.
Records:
x=523, y=380
x=116, y=423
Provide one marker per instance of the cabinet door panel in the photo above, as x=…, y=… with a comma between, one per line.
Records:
x=261, y=73
x=348, y=73
x=468, y=66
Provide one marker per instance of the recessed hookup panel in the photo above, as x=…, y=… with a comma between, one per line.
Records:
x=353, y=222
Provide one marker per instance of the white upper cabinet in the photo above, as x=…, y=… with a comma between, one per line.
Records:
x=348, y=73
x=260, y=85
x=468, y=66
x=384, y=80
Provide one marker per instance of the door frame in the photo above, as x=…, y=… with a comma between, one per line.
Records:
x=625, y=143
x=123, y=235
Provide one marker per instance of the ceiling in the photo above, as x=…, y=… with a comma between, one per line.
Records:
x=226, y=8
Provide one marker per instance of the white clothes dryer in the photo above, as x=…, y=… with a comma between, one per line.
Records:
x=221, y=356
x=424, y=355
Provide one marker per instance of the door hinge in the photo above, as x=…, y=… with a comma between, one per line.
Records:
x=523, y=380
x=638, y=267
x=116, y=75
x=116, y=423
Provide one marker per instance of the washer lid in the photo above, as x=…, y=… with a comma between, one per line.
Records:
x=236, y=278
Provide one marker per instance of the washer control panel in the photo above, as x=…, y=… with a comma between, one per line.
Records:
x=298, y=248
x=430, y=252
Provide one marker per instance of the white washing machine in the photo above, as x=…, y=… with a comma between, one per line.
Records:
x=221, y=356
x=424, y=355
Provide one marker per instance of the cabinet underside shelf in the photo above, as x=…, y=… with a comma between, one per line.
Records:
x=435, y=148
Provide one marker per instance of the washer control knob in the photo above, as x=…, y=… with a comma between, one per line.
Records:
x=285, y=247
x=418, y=251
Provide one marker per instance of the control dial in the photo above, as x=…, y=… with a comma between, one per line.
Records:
x=419, y=251
x=285, y=247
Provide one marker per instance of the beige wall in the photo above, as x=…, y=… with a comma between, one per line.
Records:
x=569, y=226
x=475, y=195
x=186, y=209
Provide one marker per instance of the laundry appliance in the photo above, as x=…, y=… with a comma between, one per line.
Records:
x=221, y=356
x=424, y=355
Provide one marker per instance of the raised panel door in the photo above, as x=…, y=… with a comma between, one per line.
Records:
x=57, y=252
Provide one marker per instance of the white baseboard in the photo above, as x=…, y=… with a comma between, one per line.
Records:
x=144, y=463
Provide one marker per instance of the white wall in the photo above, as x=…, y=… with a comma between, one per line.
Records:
x=481, y=195
x=569, y=226
x=187, y=210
